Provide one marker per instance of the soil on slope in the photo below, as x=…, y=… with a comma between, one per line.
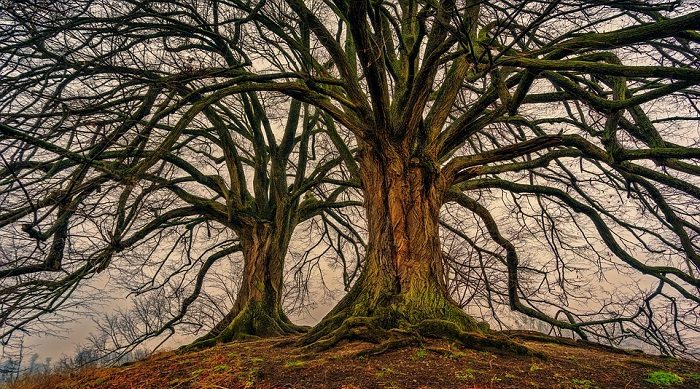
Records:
x=278, y=363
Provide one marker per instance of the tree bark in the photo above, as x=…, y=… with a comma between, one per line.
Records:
x=402, y=285
x=257, y=311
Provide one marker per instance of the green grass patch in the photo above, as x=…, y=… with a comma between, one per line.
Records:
x=663, y=378
x=222, y=368
x=294, y=364
x=534, y=367
x=466, y=374
x=384, y=372
x=250, y=377
x=421, y=353
x=455, y=354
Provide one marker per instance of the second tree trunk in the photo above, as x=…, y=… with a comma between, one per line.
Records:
x=257, y=311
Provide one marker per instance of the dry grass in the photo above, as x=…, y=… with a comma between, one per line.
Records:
x=266, y=364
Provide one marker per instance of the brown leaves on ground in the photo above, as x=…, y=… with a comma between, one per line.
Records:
x=274, y=364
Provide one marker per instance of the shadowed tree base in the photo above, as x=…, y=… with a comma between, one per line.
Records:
x=257, y=311
x=401, y=325
x=253, y=321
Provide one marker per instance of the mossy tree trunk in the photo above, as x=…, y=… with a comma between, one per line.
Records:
x=257, y=311
x=402, y=285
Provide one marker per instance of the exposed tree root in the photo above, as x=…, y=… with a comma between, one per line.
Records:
x=540, y=337
x=354, y=328
x=479, y=340
x=252, y=322
x=466, y=332
x=396, y=341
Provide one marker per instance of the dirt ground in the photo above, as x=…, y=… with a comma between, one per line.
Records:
x=279, y=363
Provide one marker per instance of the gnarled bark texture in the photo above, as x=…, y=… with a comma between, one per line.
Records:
x=402, y=288
x=257, y=311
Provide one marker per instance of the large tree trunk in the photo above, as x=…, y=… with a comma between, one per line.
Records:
x=402, y=285
x=257, y=311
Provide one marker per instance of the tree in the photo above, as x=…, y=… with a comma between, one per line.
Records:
x=122, y=150
x=545, y=110
x=444, y=100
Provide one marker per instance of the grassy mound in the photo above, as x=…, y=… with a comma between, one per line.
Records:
x=280, y=363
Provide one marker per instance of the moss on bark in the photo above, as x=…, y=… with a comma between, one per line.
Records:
x=257, y=311
x=255, y=320
x=401, y=295
x=391, y=327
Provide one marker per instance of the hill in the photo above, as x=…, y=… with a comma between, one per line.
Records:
x=278, y=363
